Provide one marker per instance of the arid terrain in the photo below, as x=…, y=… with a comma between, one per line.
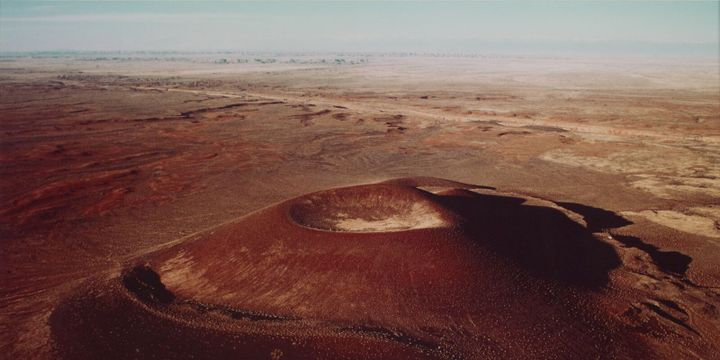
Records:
x=359, y=206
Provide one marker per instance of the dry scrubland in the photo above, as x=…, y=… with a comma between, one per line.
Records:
x=158, y=207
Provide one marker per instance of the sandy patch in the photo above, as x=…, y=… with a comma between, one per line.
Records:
x=670, y=173
x=368, y=209
x=419, y=217
x=698, y=221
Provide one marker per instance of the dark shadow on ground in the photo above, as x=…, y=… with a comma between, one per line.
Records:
x=541, y=239
x=597, y=219
x=667, y=261
x=601, y=220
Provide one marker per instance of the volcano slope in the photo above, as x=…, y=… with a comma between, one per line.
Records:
x=407, y=268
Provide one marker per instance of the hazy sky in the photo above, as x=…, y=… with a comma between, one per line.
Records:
x=546, y=27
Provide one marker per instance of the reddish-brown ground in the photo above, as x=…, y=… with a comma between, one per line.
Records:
x=138, y=221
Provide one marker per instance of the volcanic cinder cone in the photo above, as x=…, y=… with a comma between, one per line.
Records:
x=408, y=268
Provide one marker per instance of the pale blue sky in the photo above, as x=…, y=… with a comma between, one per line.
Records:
x=645, y=28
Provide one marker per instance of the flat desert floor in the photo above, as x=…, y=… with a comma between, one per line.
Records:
x=394, y=207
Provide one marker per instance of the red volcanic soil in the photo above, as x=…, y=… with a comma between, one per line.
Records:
x=130, y=193
x=436, y=269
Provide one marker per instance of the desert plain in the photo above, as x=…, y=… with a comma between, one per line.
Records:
x=285, y=206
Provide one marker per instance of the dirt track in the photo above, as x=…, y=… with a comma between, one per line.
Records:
x=434, y=116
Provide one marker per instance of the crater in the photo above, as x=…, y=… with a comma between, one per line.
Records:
x=379, y=208
x=334, y=273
